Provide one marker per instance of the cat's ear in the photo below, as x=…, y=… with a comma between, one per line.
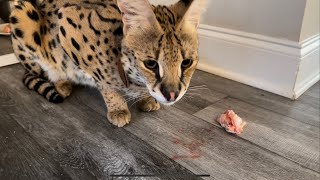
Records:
x=189, y=11
x=137, y=15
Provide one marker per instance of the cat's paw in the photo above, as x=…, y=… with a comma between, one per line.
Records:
x=64, y=88
x=119, y=118
x=148, y=104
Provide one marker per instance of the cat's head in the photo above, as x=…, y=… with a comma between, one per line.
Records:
x=160, y=45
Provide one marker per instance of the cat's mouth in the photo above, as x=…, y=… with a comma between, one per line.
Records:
x=162, y=99
x=167, y=103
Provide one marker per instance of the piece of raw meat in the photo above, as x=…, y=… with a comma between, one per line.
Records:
x=231, y=122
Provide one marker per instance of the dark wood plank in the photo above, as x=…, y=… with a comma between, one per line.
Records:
x=304, y=111
x=314, y=91
x=79, y=139
x=312, y=96
x=282, y=135
x=203, y=147
x=21, y=157
x=5, y=45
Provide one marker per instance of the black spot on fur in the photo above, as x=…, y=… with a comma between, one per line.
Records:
x=27, y=66
x=75, y=44
x=53, y=43
x=89, y=57
x=30, y=48
x=63, y=31
x=53, y=59
x=36, y=38
x=84, y=62
x=18, y=32
x=58, y=39
x=81, y=16
x=43, y=30
x=75, y=58
x=53, y=25
x=33, y=15
x=97, y=76
x=106, y=40
x=92, y=47
x=22, y=57
x=60, y=15
x=13, y=20
x=71, y=22
x=99, y=72
x=85, y=39
x=20, y=48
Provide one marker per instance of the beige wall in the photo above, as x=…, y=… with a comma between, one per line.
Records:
x=310, y=26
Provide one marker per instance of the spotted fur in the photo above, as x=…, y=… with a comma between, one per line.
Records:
x=82, y=42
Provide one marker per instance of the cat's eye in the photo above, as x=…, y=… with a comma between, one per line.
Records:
x=151, y=64
x=186, y=63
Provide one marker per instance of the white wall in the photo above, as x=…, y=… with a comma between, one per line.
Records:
x=275, y=18
x=311, y=20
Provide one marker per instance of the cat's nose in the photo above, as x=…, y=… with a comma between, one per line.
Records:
x=169, y=93
x=172, y=96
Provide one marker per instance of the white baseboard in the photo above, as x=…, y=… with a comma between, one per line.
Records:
x=8, y=59
x=264, y=62
x=309, y=69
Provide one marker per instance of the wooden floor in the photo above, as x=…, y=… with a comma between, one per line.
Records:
x=73, y=140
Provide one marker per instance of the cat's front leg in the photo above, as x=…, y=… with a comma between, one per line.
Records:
x=118, y=112
x=148, y=104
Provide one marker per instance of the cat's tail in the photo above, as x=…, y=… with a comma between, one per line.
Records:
x=42, y=86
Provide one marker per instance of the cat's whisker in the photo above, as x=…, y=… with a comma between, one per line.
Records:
x=195, y=89
x=193, y=93
x=138, y=100
x=200, y=86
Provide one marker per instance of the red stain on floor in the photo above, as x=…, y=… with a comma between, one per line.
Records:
x=210, y=129
x=193, y=148
x=176, y=141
